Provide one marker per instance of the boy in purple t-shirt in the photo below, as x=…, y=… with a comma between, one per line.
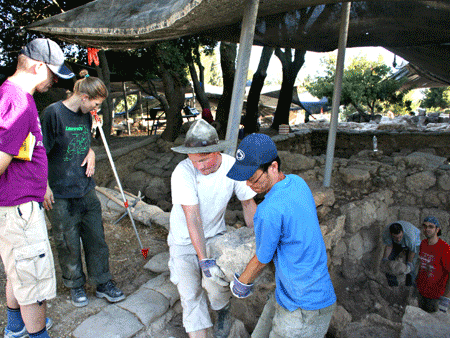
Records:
x=23, y=232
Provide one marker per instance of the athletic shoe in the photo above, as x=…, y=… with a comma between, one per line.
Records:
x=24, y=333
x=78, y=297
x=109, y=291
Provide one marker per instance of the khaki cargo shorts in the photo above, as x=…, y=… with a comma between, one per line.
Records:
x=26, y=253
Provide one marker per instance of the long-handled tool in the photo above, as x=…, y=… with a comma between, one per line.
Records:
x=113, y=167
x=135, y=202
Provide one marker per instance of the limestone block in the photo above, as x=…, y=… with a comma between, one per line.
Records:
x=421, y=181
x=370, y=239
x=339, y=249
x=334, y=232
x=234, y=250
x=355, y=247
x=420, y=324
x=371, y=326
x=160, y=323
x=158, y=263
x=424, y=160
x=322, y=195
x=163, y=286
x=409, y=214
x=364, y=213
x=293, y=162
x=156, y=188
x=340, y=319
x=444, y=181
x=111, y=322
x=147, y=305
x=354, y=175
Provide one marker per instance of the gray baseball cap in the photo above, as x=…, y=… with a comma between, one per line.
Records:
x=201, y=138
x=49, y=52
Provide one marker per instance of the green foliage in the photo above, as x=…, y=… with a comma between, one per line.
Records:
x=17, y=14
x=366, y=84
x=213, y=73
x=436, y=98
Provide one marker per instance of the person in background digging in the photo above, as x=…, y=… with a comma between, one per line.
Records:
x=287, y=231
x=72, y=205
x=433, y=282
x=401, y=236
x=200, y=194
x=23, y=232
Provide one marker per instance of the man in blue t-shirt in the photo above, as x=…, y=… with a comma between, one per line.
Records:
x=286, y=231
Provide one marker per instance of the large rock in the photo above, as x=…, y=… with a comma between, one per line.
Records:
x=362, y=214
x=421, y=181
x=370, y=327
x=292, y=162
x=234, y=250
x=340, y=319
x=420, y=324
x=354, y=175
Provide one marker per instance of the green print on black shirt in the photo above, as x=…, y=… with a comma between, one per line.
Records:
x=79, y=143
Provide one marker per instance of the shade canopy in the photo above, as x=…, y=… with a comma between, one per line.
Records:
x=418, y=31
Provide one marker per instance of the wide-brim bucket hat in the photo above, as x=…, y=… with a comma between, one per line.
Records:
x=201, y=138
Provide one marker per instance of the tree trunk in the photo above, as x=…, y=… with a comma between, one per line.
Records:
x=290, y=71
x=174, y=92
x=227, y=62
x=107, y=106
x=252, y=110
x=198, y=88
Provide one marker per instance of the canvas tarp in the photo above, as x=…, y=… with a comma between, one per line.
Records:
x=418, y=31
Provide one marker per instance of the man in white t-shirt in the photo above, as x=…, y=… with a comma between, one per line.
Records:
x=200, y=194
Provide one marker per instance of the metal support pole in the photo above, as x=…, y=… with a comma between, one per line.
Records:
x=343, y=34
x=240, y=79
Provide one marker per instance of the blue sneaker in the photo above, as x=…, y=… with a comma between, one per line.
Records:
x=24, y=333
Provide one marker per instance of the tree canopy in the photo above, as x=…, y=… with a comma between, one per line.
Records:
x=436, y=98
x=366, y=85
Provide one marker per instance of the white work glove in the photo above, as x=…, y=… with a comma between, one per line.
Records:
x=444, y=303
x=411, y=267
x=211, y=270
x=240, y=290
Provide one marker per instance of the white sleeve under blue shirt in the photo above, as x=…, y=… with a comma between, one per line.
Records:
x=287, y=230
x=411, y=236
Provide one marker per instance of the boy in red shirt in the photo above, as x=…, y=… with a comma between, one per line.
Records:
x=433, y=278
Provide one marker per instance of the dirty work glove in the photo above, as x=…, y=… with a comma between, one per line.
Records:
x=444, y=302
x=211, y=270
x=240, y=290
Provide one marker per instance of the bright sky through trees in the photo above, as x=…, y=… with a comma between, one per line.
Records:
x=312, y=60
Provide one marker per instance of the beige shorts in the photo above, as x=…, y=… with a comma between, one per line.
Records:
x=26, y=253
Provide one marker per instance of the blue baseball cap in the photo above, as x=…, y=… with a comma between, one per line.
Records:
x=433, y=220
x=253, y=151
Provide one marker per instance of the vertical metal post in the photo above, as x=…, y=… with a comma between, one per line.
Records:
x=124, y=86
x=343, y=34
x=240, y=79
